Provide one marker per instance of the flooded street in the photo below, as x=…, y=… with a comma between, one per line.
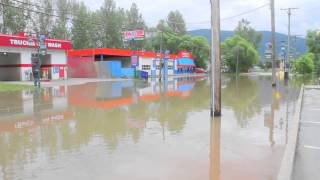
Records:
x=145, y=131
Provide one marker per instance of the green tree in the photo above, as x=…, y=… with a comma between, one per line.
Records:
x=134, y=19
x=313, y=43
x=175, y=42
x=247, y=32
x=237, y=48
x=81, y=27
x=60, y=29
x=15, y=16
x=305, y=64
x=44, y=22
x=97, y=33
x=199, y=48
x=112, y=26
x=176, y=22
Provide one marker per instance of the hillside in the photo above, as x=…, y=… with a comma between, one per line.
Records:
x=297, y=43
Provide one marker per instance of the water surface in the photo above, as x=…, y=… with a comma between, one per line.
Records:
x=145, y=130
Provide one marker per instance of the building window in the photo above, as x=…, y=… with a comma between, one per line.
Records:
x=170, y=67
x=146, y=67
x=158, y=67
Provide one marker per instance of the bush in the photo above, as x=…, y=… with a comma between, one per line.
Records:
x=305, y=64
x=239, y=48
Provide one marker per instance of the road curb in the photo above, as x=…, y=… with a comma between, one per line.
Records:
x=288, y=159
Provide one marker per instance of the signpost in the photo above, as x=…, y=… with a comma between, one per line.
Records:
x=268, y=52
x=134, y=60
x=36, y=60
x=132, y=37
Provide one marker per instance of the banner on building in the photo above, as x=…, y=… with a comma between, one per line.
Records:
x=27, y=42
x=133, y=35
x=134, y=60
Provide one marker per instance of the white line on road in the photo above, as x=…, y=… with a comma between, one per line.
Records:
x=310, y=122
x=312, y=147
x=314, y=109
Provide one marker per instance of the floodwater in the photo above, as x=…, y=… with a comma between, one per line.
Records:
x=146, y=131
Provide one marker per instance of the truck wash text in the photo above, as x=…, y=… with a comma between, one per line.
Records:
x=32, y=43
x=22, y=42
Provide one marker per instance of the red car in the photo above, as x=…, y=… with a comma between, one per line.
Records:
x=199, y=70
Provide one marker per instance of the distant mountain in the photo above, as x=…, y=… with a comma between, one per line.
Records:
x=297, y=43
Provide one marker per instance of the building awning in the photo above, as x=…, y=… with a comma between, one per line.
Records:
x=185, y=62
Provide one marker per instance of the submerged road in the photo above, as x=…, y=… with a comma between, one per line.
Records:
x=142, y=130
x=307, y=163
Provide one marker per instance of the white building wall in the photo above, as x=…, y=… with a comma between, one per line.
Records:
x=57, y=57
x=143, y=61
x=170, y=71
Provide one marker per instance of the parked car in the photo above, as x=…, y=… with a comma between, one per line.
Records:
x=200, y=70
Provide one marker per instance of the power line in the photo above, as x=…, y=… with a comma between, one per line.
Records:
x=41, y=7
x=247, y=12
x=44, y=13
x=224, y=19
x=289, y=11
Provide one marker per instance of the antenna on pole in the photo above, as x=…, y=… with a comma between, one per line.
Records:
x=273, y=42
x=287, y=64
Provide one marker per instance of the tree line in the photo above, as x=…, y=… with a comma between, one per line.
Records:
x=309, y=62
x=73, y=20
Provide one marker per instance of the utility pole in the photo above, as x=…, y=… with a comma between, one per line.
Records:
x=237, y=67
x=215, y=60
x=295, y=55
x=1, y=18
x=287, y=69
x=160, y=64
x=273, y=42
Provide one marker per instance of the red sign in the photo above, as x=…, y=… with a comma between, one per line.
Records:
x=184, y=54
x=136, y=35
x=25, y=42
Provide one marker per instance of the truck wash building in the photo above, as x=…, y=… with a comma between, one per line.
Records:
x=16, y=52
x=117, y=63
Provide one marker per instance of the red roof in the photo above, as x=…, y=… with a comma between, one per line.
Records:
x=114, y=52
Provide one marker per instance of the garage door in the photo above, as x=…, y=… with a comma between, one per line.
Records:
x=10, y=66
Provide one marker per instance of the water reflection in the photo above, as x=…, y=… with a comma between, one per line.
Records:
x=118, y=128
x=215, y=155
x=58, y=119
x=242, y=99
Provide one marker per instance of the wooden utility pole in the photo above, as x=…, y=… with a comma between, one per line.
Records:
x=2, y=18
x=160, y=64
x=237, y=67
x=287, y=65
x=273, y=42
x=215, y=59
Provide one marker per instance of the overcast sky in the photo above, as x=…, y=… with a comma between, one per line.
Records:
x=197, y=13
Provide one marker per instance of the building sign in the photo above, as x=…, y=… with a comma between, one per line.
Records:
x=25, y=42
x=136, y=35
x=184, y=54
x=134, y=60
